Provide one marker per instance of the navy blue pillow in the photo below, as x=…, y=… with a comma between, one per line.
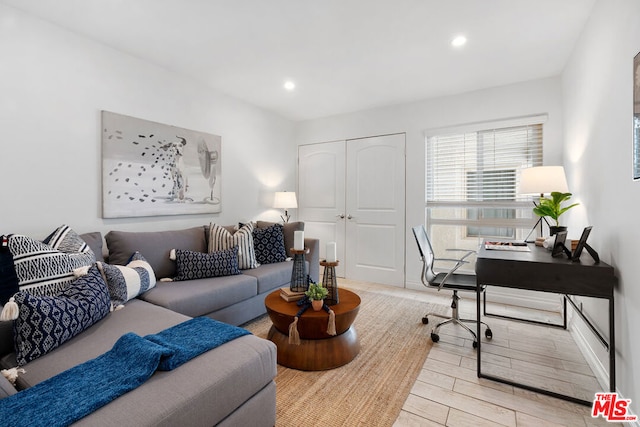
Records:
x=198, y=265
x=268, y=244
x=45, y=322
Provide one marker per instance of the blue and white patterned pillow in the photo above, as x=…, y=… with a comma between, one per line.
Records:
x=126, y=282
x=66, y=240
x=269, y=244
x=45, y=322
x=220, y=239
x=197, y=265
x=42, y=269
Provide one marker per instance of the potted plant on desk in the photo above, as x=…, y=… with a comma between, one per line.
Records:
x=316, y=293
x=552, y=207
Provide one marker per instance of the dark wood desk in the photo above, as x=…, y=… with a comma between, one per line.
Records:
x=537, y=270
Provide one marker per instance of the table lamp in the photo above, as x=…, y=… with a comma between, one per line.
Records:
x=285, y=200
x=541, y=180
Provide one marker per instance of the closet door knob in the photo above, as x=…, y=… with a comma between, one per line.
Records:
x=341, y=216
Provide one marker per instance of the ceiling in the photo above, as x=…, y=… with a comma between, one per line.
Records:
x=343, y=55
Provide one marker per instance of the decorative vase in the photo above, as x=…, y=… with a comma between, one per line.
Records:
x=317, y=304
x=554, y=229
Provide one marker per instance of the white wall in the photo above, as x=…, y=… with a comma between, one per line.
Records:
x=598, y=110
x=535, y=97
x=53, y=85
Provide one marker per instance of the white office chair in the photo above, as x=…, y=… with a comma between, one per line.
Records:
x=446, y=280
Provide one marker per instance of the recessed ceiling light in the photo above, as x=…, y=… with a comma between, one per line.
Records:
x=459, y=41
x=289, y=85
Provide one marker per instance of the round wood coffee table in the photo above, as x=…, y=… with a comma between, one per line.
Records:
x=317, y=350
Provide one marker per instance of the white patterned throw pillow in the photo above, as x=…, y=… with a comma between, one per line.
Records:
x=43, y=269
x=221, y=239
x=126, y=282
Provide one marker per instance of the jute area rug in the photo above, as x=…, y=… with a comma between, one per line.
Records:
x=371, y=390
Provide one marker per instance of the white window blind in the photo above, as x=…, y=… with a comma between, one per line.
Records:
x=472, y=165
x=472, y=179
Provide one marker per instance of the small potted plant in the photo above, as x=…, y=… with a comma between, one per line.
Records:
x=552, y=207
x=316, y=293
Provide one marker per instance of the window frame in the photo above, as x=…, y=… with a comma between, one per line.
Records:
x=524, y=224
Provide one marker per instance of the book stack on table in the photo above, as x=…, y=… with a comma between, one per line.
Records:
x=289, y=296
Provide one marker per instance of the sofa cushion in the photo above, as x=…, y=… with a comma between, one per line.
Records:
x=155, y=246
x=228, y=375
x=269, y=244
x=45, y=322
x=197, y=265
x=200, y=297
x=272, y=276
x=139, y=317
x=220, y=238
x=127, y=282
x=6, y=388
x=288, y=230
x=41, y=269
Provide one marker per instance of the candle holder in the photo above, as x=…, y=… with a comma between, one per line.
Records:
x=299, y=277
x=330, y=281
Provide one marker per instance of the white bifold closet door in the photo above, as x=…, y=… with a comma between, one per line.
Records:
x=353, y=193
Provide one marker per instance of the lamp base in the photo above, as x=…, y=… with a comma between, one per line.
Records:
x=285, y=217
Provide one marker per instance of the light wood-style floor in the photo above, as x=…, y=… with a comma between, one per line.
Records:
x=449, y=393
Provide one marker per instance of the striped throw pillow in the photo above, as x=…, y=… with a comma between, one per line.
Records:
x=126, y=282
x=42, y=269
x=220, y=239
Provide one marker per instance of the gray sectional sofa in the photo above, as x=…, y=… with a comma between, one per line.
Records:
x=231, y=385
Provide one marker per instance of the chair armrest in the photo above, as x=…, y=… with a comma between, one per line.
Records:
x=451, y=260
x=469, y=252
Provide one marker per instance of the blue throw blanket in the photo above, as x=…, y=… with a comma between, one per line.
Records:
x=77, y=392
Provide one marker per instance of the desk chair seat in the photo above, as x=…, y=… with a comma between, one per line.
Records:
x=446, y=280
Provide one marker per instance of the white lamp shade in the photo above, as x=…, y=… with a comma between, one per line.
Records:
x=543, y=180
x=285, y=200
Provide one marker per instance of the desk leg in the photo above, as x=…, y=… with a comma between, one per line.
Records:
x=479, y=332
x=612, y=347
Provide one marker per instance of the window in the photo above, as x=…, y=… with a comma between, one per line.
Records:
x=472, y=176
x=486, y=186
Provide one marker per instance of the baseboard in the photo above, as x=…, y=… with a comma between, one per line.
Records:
x=515, y=297
x=599, y=370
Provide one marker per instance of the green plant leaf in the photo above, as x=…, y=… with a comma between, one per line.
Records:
x=552, y=207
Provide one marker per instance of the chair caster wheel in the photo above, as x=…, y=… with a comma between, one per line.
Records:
x=488, y=334
x=435, y=337
x=425, y=320
x=475, y=344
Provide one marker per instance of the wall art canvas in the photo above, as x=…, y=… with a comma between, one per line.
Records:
x=151, y=169
x=636, y=117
